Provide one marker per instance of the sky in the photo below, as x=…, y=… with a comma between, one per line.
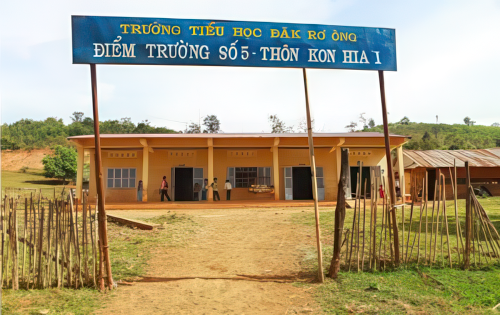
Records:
x=447, y=52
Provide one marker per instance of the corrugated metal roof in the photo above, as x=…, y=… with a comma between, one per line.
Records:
x=242, y=135
x=446, y=158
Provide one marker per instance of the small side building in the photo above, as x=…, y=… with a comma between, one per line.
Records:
x=484, y=166
x=280, y=161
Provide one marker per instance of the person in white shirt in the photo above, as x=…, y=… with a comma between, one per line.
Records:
x=228, y=188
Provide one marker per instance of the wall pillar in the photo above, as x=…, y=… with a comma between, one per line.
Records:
x=79, y=172
x=210, y=143
x=145, y=173
x=401, y=171
x=276, y=170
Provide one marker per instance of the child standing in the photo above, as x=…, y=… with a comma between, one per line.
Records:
x=215, y=190
x=228, y=188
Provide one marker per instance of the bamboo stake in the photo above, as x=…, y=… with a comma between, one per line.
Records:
x=57, y=239
x=364, y=228
x=62, y=232
x=437, y=221
x=85, y=239
x=382, y=229
x=9, y=245
x=358, y=243
x=96, y=235
x=487, y=222
x=480, y=221
x=426, y=214
x=2, y=228
x=354, y=222
x=375, y=198
x=477, y=208
x=77, y=240
x=15, y=249
x=372, y=197
x=432, y=220
x=472, y=227
x=446, y=223
x=25, y=235
x=443, y=219
x=479, y=245
x=457, y=223
x=47, y=256
x=423, y=205
x=467, y=218
x=409, y=229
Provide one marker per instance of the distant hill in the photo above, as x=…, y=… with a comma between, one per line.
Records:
x=444, y=137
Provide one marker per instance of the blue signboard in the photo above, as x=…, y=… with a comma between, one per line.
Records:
x=156, y=41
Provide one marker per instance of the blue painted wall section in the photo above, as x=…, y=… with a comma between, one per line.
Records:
x=158, y=41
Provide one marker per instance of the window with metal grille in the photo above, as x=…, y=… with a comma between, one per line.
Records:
x=121, y=177
x=244, y=177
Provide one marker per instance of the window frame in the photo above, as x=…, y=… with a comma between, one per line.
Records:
x=265, y=171
x=121, y=178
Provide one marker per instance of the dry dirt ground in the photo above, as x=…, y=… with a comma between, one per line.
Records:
x=230, y=242
x=14, y=160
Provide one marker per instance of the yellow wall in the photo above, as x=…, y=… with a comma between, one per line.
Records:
x=115, y=194
x=161, y=163
x=299, y=157
x=263, y=158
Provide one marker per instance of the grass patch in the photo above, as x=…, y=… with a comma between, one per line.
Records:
x=64, y=301
x=32, y=178
x=130, y=251
x=408, y=289
x=425, y=291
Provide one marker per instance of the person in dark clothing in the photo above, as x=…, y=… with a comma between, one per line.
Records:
x=164, y=189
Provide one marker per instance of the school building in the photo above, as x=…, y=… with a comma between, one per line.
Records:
x=277, y=161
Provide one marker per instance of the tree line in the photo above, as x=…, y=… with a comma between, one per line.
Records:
x=32, y=134
x=467, y=136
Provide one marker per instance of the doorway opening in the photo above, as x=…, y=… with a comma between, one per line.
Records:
x=183, y=184
x=302, y=183
x=365, y=176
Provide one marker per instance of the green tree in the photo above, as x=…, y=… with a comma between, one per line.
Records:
x=404, y=121
x=279, y=126
x=212, y=124
x=61, y=164
x=77, y=117
x=193, y=128
x=371, y=123
x=352, y=126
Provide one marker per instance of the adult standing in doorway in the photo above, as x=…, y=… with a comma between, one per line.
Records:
x=215, y=190
x=228, y=188
x=204, y=189
x=164, y=189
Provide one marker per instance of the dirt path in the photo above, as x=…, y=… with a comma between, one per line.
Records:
x=231, y=242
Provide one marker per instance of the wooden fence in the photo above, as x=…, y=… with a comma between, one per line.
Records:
x=48, y=242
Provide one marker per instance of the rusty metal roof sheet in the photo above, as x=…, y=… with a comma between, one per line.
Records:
x=446, y=158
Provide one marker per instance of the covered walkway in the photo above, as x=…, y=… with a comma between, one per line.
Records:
x=172, y=205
